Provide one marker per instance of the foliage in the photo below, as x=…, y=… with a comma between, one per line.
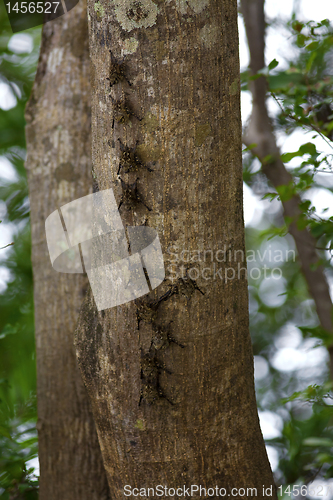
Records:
x=18, y=415
x=304, y=93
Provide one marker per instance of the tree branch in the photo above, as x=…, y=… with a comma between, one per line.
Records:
x=260, y=132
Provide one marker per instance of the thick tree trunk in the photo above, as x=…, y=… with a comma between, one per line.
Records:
x=59, y=170
x=181, y=77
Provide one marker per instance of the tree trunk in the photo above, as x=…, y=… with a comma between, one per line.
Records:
x=171, y=82
x=59, y=170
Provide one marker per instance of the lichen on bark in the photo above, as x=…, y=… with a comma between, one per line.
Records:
x=133, y=14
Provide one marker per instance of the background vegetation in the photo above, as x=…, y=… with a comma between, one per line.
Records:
x=18, y=414
x=293, y=389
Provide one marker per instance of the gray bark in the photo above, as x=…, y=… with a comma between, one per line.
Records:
x=181, y=76
x=59, y=170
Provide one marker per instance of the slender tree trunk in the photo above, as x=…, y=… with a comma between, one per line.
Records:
x=59, y=170
x=181, y=78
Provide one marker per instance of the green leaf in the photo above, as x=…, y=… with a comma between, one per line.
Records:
x=284, y=80
x=5, y=432
x=286, y=157
x=308, y=148
x=319, y=333
x=273, y=64
x=301, y=39
x=297, y=26
x=286, y=191
x=270, y=196
x=317, y=441
x=324, y=458
x=305, y=205
x=251, y=146
x=312, y=46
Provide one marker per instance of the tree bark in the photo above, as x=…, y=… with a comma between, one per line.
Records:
x=59, y=170
x=178, y=64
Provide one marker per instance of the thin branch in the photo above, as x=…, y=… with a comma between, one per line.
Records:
x=313, y=127
x=9, y=245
